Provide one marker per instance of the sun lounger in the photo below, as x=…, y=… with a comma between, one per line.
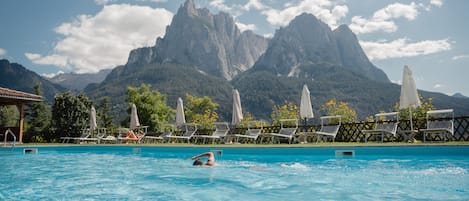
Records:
x=287, y=131
x=86, y=133
x=168, y=130
x=190, y=130
x=440, y=124
x=221, y=130
x=385, y=125
x=252, y=133
x=329, y=127
x=139, y=134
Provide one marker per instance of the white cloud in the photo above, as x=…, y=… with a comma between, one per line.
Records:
x=51, y=75
x=268, y=35
x=220, y=5
x=437, y=3
x=92, y=43
x=254, y=4
x=325, y=10
x=54, y=59
x=2, y=52
x=382, y=19
x=403, y=48
x=460, y=57
x=101, y=2
x=437, y=86
x=243, y=27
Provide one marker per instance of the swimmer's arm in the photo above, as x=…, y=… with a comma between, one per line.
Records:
x=206, y=154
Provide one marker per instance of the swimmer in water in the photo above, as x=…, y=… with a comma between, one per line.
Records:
x=210, y=159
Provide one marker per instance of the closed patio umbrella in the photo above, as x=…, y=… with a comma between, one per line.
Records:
x=237, y=115
x=93, y=124
x=409, y=96
x=134, y=122
x=306, y=109
x=180, y=117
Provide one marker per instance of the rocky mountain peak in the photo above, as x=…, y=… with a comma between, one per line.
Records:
x=307, y=41
x=211, y=43
x=353, y=57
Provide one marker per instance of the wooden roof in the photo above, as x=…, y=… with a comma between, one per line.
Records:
x=10, y=96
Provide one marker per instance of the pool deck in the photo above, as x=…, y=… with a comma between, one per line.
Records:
x=335, y=144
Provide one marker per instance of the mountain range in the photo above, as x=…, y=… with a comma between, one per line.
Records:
x=17, y=77
x=78, y=82
x=205, y=54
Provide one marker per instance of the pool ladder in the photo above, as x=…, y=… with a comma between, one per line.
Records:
x=6, y=137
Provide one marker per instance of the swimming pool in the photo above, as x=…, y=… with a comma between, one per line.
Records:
x=159, y=173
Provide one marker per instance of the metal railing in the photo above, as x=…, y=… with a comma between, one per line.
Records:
x=6, y=137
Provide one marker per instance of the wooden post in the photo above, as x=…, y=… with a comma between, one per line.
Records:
x=21, y=122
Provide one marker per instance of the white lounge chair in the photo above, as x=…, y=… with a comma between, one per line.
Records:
x=221, y=130
x=168, y=130
x=139, y=131
x=190, y=129
x=86, y=133
x=385, y=125
x=287, y=131
x=252, y=133
x=440, y=123
x=329, y=127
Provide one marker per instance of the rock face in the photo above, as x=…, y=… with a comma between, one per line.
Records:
x=307, y=41
x=212, y=43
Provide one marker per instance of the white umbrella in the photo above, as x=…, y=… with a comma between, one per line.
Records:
x=409, y=96
x=93, y=124
x=180, y=118
x=306, y=109
x=134, y=123
x=237, y=110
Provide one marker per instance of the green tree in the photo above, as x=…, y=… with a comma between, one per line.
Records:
x=104, y=118
x=288, y=110
x=9, y=116
x=39, y=119
x=70, y=114
x=151, y=106
x=418, y=113
x=332, y=107
x=200, y=110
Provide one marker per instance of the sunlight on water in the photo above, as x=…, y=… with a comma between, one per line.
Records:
x=168, y=175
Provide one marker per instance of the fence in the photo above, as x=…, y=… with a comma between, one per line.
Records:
x=351, y=132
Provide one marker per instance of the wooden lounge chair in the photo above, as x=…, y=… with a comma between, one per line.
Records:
x=385, y=125
x=440, y=124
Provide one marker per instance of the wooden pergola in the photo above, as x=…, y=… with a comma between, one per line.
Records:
x=18, y=98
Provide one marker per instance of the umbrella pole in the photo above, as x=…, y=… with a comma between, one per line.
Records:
x=411, y=126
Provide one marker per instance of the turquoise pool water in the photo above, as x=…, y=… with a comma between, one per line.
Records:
x=151, y=173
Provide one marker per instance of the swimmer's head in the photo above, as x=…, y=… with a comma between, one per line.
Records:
x=198, y=162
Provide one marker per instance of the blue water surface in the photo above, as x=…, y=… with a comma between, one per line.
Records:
x=165, y=173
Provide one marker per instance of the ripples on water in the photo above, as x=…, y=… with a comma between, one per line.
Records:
x=147, y=176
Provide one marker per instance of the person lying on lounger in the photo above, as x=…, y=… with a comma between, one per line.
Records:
x=210, y=159
x=131, y=136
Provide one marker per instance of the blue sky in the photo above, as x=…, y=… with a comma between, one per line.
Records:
x=52, y=36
